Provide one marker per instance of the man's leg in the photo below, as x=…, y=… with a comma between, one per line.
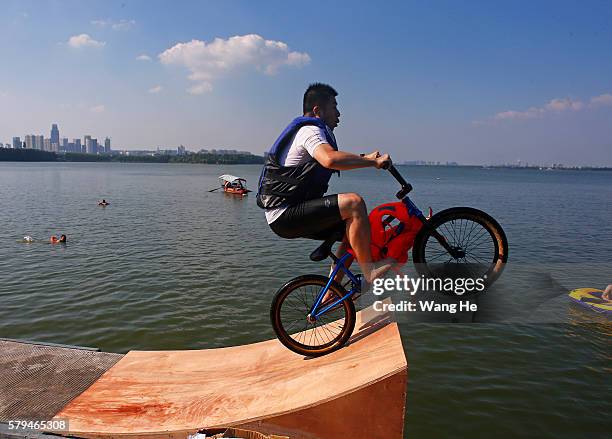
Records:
x=354, y=213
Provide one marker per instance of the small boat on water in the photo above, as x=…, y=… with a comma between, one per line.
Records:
x=233, y=185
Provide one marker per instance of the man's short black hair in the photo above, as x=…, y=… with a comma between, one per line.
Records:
x=317, y=94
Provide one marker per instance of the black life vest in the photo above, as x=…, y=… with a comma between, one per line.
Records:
x=289, y=185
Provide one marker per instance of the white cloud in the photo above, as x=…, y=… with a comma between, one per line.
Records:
x=557, y=105
x=564, y=105
x=97, y=109
x=122, y=24
x=531, y=113
x=208, y=61
x=143, y=57
x=84, y=40
x=201, y=88
x=601, y=100
x=156, y=89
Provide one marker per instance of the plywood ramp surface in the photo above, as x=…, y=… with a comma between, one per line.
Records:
x=172, y=393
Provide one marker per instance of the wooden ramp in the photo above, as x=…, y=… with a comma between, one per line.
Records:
x=356, y=392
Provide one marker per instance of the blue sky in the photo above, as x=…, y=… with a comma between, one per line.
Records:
x=482, y=82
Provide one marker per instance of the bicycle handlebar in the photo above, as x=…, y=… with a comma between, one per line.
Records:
x=406, y=187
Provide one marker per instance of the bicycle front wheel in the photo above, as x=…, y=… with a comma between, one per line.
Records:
x=290, y=311
x=479, y=243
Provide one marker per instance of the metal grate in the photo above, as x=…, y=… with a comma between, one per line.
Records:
x=38, y=380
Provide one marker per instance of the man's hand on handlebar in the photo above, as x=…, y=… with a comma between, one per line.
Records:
x=372, y=155
x=380, y=161
x=383, y=161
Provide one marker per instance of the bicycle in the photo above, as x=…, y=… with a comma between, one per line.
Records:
x=453, y=242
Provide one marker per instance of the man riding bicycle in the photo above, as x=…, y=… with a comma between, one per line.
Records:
x=296, y=174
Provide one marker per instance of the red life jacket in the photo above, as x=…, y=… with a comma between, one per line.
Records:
x=393, y=231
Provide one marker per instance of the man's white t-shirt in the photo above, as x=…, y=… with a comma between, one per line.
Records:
x=301, y=150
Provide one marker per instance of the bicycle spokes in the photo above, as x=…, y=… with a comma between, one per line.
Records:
x=295, y=315
x=469, y=244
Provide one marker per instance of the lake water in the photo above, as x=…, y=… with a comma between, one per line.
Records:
x=169, y=265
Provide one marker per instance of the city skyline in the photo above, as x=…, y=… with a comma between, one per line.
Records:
x=55, y=143
x=470, y=83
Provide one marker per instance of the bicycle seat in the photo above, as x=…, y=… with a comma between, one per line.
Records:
x=324, y=250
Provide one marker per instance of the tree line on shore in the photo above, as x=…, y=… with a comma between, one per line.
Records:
x=35, y=155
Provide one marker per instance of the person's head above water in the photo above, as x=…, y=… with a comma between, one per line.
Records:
x=320, y=101
x=62, y=238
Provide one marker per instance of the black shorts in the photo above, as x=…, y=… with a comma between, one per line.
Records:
x=313, y=219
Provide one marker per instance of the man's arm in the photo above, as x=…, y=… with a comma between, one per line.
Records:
x=329, y=158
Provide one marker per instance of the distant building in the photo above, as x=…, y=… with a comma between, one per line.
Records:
x=180, y=150
x=17, y=142
x=135, y=152
x=64, y=144
x=91, y=145
x=166, y=152
x=77, y=145
x=107, y=145
x=88, y=145
x=29, y=141
x=47, y=145
x=39, y=142
x=55, y=134
x=224, y=152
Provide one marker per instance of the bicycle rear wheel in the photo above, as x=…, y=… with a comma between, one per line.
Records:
x=481, y=244
x=290, y=309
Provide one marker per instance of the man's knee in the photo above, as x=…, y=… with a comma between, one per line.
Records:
x=352, y=202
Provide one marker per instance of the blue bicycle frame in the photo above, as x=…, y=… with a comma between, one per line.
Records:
x=339, y=265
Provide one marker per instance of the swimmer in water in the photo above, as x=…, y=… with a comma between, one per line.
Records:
x=103, y=203
x=56, y=240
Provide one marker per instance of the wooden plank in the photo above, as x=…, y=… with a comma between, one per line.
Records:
x=170, y=393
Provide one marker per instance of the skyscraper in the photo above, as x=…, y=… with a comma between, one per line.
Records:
x=77, y=145
x=55, y=134
x=107, y=145
x=39, y=142
x=91, y=145
x=17, y=142
x=29, y=141
x=87, y=144
x=64, y=144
